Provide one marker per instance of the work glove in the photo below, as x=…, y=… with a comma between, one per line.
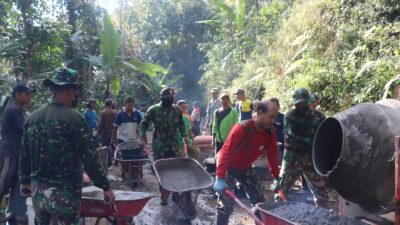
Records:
x=220, y=185
x=276, y=185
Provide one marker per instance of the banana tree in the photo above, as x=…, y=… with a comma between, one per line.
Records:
x=236, y=15
x=110, y=62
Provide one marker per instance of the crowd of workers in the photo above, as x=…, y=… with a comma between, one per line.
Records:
x=56, y=143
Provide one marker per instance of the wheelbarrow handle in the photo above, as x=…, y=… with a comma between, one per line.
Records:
x=243, y=206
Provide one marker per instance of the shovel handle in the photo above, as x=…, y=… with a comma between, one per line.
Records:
x=147, y=150
x=243, y=206
x=281, y=195
x=185, y=146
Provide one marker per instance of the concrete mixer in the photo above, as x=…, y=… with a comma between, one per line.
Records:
x=354, y=150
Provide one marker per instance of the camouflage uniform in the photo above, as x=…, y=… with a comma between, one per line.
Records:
x=300, y=130
x=167, y=122
x=57, y=146
x=250, y=183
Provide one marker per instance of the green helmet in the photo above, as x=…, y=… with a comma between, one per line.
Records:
x=301, y=95
x=313, y=97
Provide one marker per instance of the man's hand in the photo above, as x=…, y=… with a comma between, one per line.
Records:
x=220, y=185
x=213, y=143
x=109, y=196
x=276, y=185
x=25, y=190
x=143, y=141
x=114, y=141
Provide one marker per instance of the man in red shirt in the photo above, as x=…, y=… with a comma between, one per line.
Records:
x=245, y=143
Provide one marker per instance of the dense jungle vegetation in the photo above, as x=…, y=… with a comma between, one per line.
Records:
x=346, y=51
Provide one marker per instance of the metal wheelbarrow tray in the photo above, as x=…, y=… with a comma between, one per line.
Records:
x=296, y=213
x=181, y=174
x=127, y=204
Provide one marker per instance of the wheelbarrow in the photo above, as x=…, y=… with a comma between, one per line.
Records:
x=181, y=176
x=126, y=205
x=297, y=213
x=132, y=158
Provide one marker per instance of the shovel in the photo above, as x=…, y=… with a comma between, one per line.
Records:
x=243, y=206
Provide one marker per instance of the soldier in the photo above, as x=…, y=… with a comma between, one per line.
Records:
x=57, y=145
x=167, y=119
x=301, y=125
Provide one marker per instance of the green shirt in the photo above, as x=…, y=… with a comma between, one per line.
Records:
x=57, y=146
x=222, y=128
x=179, y=135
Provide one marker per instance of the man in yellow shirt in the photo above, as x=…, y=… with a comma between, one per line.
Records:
x=243, y=106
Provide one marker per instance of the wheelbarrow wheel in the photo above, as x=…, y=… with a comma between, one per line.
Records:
x=187, y=206
x=134, y=176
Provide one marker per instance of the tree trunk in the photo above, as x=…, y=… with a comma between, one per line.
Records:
x=25, y=7
x=70, y=51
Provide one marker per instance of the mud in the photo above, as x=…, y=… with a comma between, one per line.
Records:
x=305, y=214
x=155, y=214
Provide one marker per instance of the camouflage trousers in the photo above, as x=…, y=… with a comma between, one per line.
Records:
x=252, y=187
x=61, y=207
x=293, y=166
x=165, y=149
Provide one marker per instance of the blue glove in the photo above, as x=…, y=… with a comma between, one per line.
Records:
x=276, y=185
x=220, y=185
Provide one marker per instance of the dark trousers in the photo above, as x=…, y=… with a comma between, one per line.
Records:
x=218, y=147
x=106, y=141
x=196, y=128
x=251, y=185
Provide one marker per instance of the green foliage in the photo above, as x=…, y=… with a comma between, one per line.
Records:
x=110, y=41
x=345, y=51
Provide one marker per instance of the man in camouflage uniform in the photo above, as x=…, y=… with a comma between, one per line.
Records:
x=301, y=125
x=57, y=145
x=167, y=119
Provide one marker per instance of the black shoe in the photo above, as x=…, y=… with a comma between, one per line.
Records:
x=164, y=202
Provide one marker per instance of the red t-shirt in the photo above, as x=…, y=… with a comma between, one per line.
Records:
x=244, y=145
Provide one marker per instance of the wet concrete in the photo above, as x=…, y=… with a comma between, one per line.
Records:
x=97, y=193
x=305, y=214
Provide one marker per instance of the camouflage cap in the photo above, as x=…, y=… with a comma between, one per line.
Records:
x=301, y=95
x=62, y=76
x=313, y=97
x=167, y=91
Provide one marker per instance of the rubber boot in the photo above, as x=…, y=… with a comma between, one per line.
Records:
x=164, y=196
x=222, y=219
